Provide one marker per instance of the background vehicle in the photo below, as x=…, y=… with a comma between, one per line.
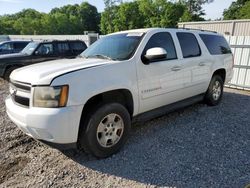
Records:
x=36, y=52
x=11, y=47
x=90, y=102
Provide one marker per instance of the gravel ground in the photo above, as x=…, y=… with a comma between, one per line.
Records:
x=198, y=146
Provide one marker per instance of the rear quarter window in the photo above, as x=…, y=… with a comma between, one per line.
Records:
x=215, y=44
x=78, y=46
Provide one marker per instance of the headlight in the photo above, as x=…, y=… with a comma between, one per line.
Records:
x=50, y=97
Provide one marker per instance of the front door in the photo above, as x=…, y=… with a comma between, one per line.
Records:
x=160, y=82
x=45, y=52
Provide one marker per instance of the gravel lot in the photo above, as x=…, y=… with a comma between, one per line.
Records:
x=198, y=146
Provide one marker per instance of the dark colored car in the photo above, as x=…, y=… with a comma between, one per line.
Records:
x=36, y=52
x=10, y=47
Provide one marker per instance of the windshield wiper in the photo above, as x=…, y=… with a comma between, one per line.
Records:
x=100, y=56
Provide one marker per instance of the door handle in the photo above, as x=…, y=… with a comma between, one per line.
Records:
x=202, y=64
x=176, y=68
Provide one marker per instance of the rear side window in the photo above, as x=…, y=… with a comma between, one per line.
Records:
x=215, y=44
x=63, y=47
x=189, y=45
x=20, y=45
x=162, y=40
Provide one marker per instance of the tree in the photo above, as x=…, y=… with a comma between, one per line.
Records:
x=194, y=11
x=127, y=17
x=70, y=19
x=160, y=13
x=237, y=10
x=245, y=11
x=109, y=14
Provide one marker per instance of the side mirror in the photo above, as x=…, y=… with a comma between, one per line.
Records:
x=154, y=54
x=37, y=53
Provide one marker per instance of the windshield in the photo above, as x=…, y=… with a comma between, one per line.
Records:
x=30, y=48
x=114, y=47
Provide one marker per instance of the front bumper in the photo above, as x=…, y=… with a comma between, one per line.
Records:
x=58, y=126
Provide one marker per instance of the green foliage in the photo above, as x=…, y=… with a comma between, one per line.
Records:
x=149, y=13
x=194, y=7
x=70, y=19
x=245, y=11
x=117, y=16
x=127, y=17
x=239, y=9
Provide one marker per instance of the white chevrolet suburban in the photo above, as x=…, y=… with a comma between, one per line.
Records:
x=89, y=102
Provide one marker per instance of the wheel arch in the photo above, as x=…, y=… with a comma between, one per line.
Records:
x=122, y=96
x=8, y=66
x=221, y=72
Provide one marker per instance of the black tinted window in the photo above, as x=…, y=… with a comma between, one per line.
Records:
x=189, y=45
x=7, y=46
x=20, y=45
x=45, y=49
x=216, y=44
x=63, y=47
x=78, y=46
x=162, y=40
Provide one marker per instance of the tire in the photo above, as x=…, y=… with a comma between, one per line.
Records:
x=215, y=91
x=107, y=129
x=8, y=72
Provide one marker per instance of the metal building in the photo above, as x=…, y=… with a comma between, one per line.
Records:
x=227, y=27
x=237, y=32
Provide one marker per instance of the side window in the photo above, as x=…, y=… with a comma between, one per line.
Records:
x=162, y=40
x=63, y=47
x=78, y=46
x=215, y=44
x=7, y=46
x=20, y=45
x=45, y=49
x=189, y=45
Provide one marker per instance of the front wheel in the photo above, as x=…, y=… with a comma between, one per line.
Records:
x=215, y=91
x=107, y=129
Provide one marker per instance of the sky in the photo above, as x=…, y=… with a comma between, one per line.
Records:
x=213, y=10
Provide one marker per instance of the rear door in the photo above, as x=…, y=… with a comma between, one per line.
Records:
x=63, y=50
x=44, y=52
x=195, y=65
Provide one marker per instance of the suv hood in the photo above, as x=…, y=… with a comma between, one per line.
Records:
x=43, y=73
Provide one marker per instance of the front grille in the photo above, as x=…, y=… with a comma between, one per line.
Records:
x=21, y=86
x=20, y=93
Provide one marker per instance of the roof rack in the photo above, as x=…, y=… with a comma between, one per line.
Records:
x=197, y=29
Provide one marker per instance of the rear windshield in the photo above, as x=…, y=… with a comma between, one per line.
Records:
x=215, y=44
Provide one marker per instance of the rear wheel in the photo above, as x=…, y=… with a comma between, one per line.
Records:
x=107, y=129
x=215, y=91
